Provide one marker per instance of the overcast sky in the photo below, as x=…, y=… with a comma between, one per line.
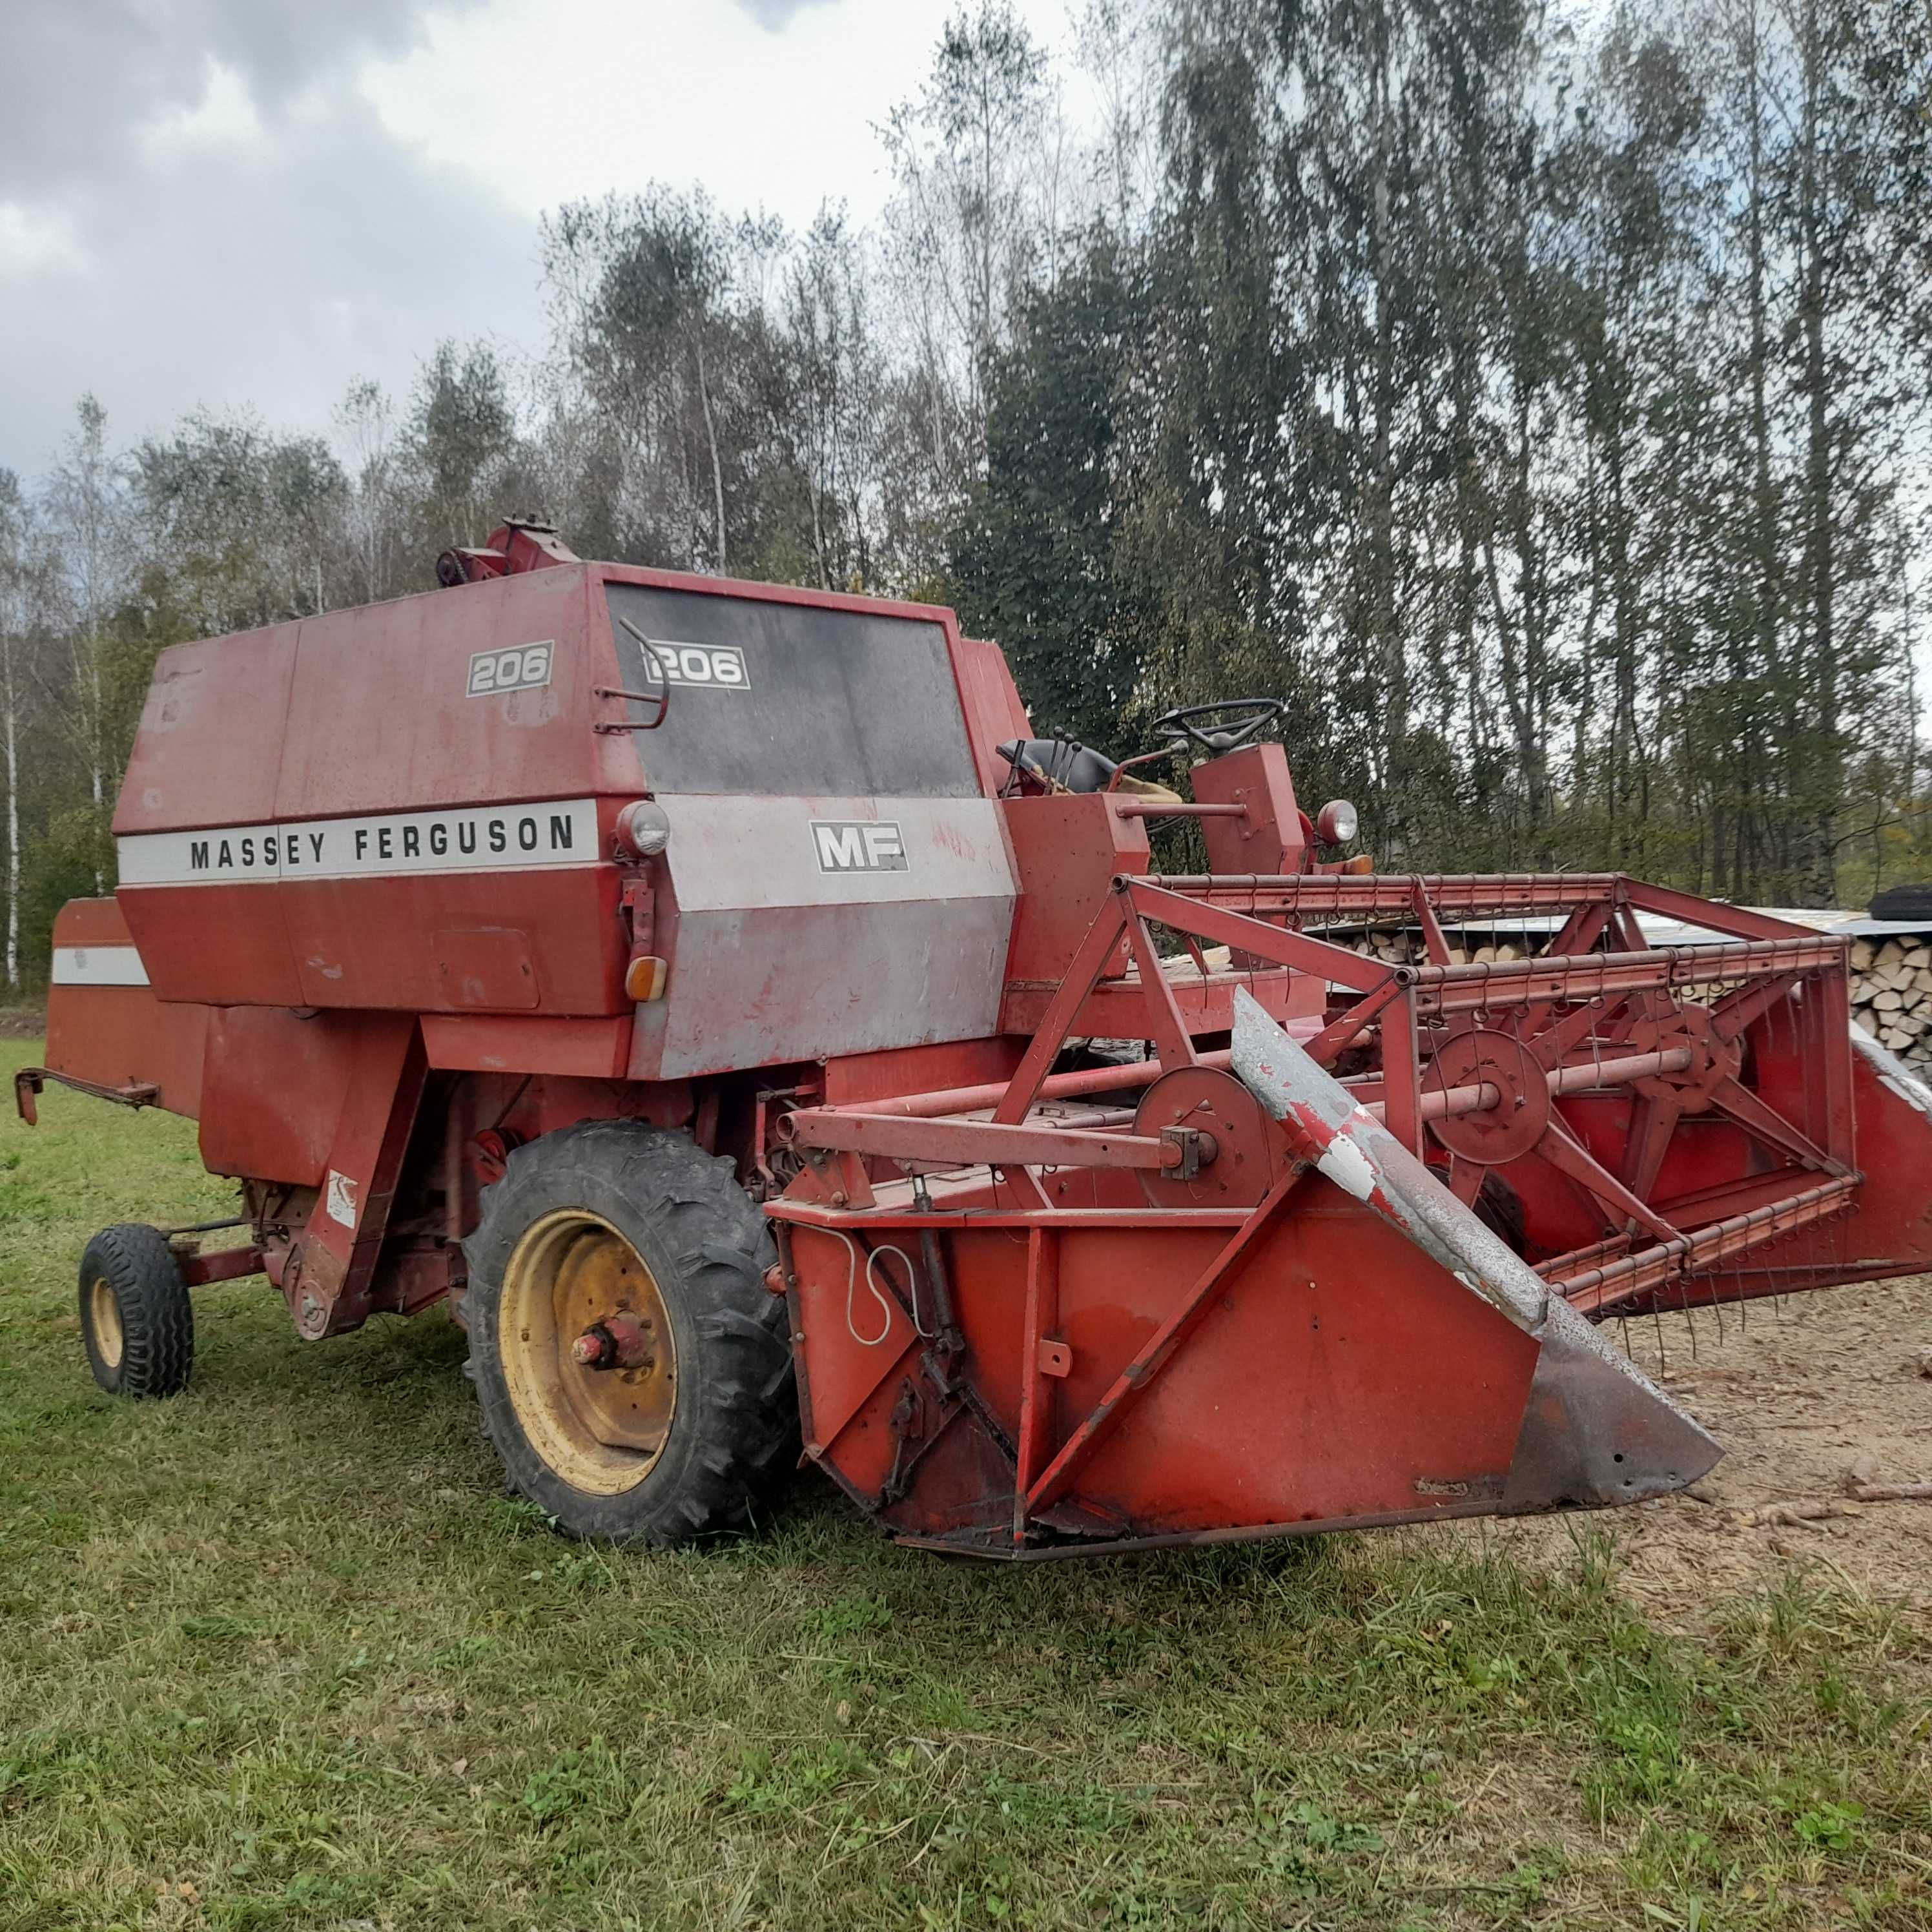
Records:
x=234, y=202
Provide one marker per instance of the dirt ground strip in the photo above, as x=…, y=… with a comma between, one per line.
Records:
x=1797, y=1392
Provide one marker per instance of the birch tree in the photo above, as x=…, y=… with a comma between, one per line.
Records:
x=86, y=511
x=641, y=286
x=979, y=157
x=19, y=614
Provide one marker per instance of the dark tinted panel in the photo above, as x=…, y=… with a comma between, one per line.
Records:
x=783, y=698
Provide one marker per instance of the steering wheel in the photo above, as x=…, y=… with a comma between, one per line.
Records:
x=1216, y=728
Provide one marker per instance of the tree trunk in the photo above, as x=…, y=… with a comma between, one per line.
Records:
x=1767, y=596
x=96, y=725
x=9, y=700
x=1818, y=876
x=711, y=438
x=1388, y=643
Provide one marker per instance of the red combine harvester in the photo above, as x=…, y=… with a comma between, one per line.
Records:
x=713, y=992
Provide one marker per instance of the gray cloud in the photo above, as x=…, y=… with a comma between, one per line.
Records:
x=219, y=276
x=82, y=77
x=774, y=16
x=182, y=273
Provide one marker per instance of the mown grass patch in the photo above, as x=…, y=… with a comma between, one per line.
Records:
x=280, y=1654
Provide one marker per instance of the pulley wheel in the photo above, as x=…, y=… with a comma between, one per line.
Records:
x=1489, y=1136
x=1249, y=1149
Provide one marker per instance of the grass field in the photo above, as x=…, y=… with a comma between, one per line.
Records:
x=280, y=1654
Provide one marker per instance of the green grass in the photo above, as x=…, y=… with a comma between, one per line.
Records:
x=280, y=1654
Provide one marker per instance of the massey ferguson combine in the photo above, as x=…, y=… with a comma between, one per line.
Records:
x=713, y=993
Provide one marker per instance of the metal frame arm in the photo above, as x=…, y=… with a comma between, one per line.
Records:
x=30, y=1082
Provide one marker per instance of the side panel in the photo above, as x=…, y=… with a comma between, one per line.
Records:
x=105, y=1025
x=491, y=908
x=1068, y=849
x=209, y=748
x=1342, y=1374
x=272, y=1091
x=921, y=1069
x=176, y=929
x=596, y=1049
x=402, y=806
x=326, y=1102
x=994, y=711
x=1267, y=838
x=208, y=753
x=501, y=942
x=1338, y=1373
x=409, y=807
x=381, y=713
x=808, y=927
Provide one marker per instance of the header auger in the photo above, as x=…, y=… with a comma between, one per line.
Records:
x=717, y=995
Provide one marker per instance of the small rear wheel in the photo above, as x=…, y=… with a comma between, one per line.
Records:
x=635, y=1373
x=135, y=1317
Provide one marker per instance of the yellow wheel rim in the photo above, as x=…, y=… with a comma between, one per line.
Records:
x=103, y=1317
x=601, y=1429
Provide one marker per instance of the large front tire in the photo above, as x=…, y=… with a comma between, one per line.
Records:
x=612, y=1228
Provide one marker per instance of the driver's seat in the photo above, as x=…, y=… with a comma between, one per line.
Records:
x=1060, y=764
x=1063, y=765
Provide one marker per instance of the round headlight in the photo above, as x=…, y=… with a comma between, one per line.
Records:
x=1336, y=822
x=643, y=829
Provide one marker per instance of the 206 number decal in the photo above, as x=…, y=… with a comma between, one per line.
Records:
x=717, y=666
x=520, y=668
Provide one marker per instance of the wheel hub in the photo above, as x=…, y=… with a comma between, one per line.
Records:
x=618, y=1341
x=1714, y=1058
x=104, y=1309
x=588, y=1353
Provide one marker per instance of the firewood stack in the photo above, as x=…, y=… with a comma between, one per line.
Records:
x=1405, y=948
x=1892, y=993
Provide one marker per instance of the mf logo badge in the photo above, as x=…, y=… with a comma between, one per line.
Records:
x=859, y=845
x=715, y=667
x=521, y=668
